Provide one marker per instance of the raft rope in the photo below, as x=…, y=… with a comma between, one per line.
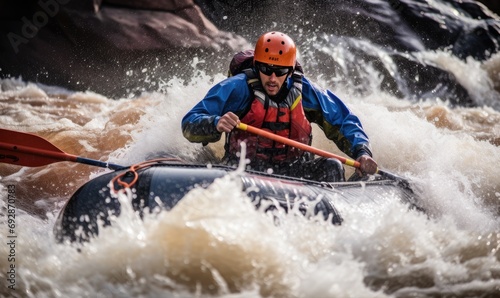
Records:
x=133, y=169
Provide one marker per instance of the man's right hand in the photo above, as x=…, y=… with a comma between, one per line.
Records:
x=227, y=122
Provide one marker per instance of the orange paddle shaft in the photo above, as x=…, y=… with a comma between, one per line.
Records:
x=296, y=144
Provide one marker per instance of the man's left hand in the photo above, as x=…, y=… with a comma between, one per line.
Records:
x=367, y=165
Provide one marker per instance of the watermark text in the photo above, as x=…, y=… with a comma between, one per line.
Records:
x=11, y=237
x=30, y=27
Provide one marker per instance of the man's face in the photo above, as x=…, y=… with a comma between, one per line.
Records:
x=270, y=80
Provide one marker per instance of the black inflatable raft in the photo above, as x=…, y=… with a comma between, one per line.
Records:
x=170, y=181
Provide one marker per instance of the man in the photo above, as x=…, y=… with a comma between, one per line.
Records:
x=275, y=96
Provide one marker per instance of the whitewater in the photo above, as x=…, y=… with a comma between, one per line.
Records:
x=215, y=244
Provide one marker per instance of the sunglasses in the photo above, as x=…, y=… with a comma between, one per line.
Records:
x=269, y=70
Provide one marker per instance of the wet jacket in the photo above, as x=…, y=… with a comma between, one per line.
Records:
x=285, y=118
x=320, y=106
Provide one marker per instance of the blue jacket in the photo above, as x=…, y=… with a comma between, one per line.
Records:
x=321, y=107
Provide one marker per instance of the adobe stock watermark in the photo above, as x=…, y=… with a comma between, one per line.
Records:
x=11, y=240
x=396, y=5
x=30, y=28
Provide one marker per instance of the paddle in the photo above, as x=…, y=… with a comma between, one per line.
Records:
x=25, y=149
x=314, y=150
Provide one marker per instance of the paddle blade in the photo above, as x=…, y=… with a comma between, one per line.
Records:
x=25, y=149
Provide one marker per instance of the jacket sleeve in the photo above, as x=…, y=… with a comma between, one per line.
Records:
x=230, y=95
x=336, y=120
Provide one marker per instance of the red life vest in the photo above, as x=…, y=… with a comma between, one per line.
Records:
x=286, y=119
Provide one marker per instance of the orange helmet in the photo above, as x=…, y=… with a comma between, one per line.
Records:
x=275, y=48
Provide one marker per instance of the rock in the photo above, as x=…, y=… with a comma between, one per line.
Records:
x=123, y=47
x=108, y=46
x=493, y=5
x=352, y=36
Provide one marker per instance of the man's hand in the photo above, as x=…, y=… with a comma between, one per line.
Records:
x=368, y=165
x=227, y=122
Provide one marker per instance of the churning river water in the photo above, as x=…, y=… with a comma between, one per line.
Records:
x=215, y=244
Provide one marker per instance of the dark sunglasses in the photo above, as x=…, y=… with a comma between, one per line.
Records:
x=268, y=70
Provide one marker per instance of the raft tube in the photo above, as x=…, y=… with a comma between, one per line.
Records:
x=162, y=185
